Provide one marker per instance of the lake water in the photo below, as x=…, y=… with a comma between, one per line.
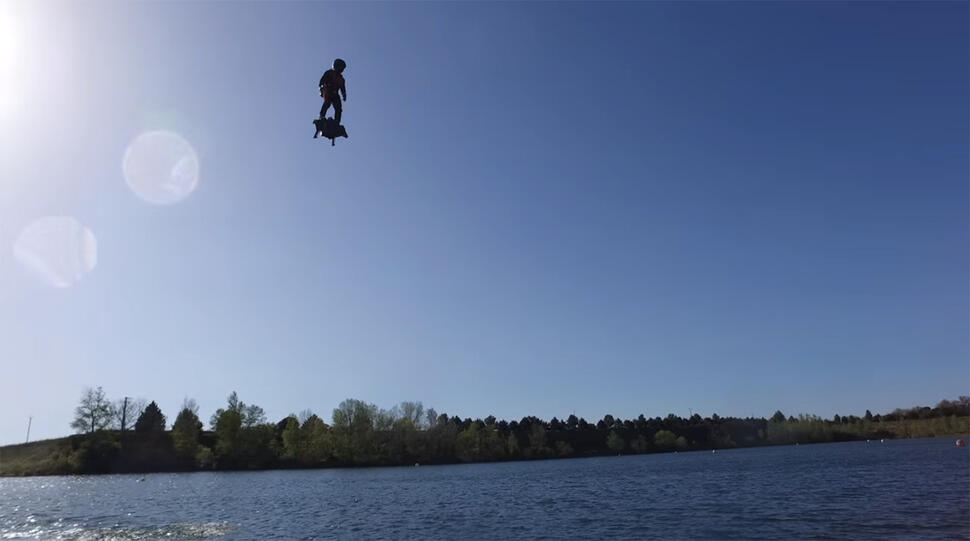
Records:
x=909, y=489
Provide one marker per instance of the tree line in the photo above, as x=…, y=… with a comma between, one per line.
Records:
x=360, y=433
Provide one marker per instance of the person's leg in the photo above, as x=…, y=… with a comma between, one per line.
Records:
x=338, y=108
x=323, y=110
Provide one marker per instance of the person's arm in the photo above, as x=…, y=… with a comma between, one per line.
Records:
x=343, y=89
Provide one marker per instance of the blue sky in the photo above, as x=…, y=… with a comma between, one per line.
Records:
x=541, y=209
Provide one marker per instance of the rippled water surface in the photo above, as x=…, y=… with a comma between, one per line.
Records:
x=915, y=489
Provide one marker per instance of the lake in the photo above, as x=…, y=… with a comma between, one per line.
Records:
x=910, y=489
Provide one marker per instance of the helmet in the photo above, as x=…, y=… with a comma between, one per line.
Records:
x=339, y=65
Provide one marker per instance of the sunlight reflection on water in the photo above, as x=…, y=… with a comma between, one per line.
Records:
x=161, y=167
x=58, y=250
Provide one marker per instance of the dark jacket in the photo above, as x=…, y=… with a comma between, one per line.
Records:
x=331, y=83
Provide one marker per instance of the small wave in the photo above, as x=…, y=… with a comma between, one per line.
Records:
x=173, y=532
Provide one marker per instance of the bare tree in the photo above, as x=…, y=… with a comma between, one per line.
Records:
x=385, y=418
x=127, y=411
x=413, y=412
x=191, y=405
x=431, y=417
x=94, y=412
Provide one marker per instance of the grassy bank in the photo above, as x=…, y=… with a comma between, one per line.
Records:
x=107, y=452
x=44, y=457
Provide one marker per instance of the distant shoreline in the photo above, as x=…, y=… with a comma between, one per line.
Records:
x=360, y=438
x=336, y=466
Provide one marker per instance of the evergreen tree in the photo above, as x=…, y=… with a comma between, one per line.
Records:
x=151, y=420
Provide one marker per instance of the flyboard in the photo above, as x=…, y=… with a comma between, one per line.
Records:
x=329, y=128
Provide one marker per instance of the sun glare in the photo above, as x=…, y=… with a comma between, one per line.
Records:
x=11, y=54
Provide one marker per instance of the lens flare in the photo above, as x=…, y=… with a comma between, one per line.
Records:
x=161, y=167
x=58, y=250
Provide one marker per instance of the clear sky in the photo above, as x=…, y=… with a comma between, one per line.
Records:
x=541, y=209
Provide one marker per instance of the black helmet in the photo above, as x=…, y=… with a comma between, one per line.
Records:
x=339, y=64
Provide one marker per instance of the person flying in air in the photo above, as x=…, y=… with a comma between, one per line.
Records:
x=332, y=85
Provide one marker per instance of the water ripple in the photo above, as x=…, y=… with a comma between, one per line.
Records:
x=905, y=489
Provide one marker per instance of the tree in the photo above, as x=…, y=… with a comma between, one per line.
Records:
x=354, y=415
x=412, y=412
x=191, y=405
x=563, y=449
x=868, y=416
x=233, y=404
x=537, y=440
x=681, y=443
x=186, y=431
x=93, y=413
x=151, y=420
x=252, y=415
x=385, y=419
x=126, y=412
x=640, y=444
x=964, y=404
x=431, y=417
x=291, y=438
x=469, y=443
x=665, y=439
x=512, y=445
x=778, y=417
x=353, y=423
x=615, y=442
x=317, y=444
x=227, y=427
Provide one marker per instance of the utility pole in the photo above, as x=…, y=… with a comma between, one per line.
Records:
x=29, y=421
x=124, y=412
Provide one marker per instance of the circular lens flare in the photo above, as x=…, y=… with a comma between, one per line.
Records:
x=161, y=167
x=58, y=250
